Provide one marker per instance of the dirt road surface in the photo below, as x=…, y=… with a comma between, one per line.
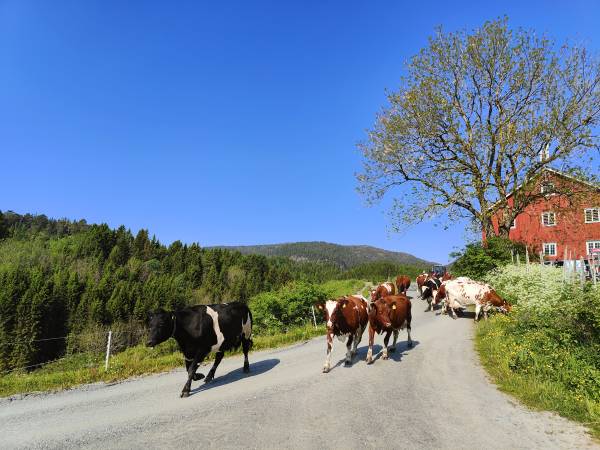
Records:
x=434, y=395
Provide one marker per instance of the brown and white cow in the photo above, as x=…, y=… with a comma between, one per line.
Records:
x=345, y=317
x=447, y=276
x=463, y=291
x=420, y=280
x=402, y=283
x=388, y=315
x=386, y=288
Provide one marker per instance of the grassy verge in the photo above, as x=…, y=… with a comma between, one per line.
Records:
x=89, y=368
x=337, y=288
x=529, y=364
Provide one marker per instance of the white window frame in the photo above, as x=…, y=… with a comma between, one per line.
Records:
x=553, y=216
x=547, y=184
x=549, y=244
x=589, y=245
x=591, y=210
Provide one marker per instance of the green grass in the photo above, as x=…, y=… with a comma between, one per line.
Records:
x=81, y=368
x=529, y=365
x=337, y=288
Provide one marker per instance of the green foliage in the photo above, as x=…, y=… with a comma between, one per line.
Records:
x=478, y=259
x=286, y=307
x=378, y=271
x=547, y=351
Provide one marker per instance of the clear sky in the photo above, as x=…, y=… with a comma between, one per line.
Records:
x=221, y=122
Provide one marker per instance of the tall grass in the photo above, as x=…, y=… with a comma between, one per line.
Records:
x=547, y=351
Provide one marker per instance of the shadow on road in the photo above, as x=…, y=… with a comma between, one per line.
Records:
x=257, y=368
x=361, y=353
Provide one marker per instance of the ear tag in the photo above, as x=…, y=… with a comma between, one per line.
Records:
x=344, y=305
x=393, y=306
x=320, y=306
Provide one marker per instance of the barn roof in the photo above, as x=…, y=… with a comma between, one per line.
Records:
x=555, y=172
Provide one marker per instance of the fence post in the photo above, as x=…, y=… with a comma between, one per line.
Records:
x=312, y=308
x=107, y=350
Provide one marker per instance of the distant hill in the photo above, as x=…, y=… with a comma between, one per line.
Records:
x=344, y=256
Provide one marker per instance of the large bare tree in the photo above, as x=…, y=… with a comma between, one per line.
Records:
x=477, y=115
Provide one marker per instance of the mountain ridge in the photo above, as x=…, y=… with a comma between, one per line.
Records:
x=345, y=256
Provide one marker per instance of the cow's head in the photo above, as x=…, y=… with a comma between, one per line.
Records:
x=379, y=313
x=161, y=326
x=332, y=310
x=498, y=302
x=374, y=295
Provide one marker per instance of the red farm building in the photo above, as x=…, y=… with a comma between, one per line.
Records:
x=562, y=223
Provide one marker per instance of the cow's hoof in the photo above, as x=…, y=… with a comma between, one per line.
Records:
x=246, y=369
x=392, y=349
x=198, y=376
x=384, y=357
x=325, y=369
x=209, y=378
x=369, y=360
x=410, y=344
x=347, y=363
x=185, y=394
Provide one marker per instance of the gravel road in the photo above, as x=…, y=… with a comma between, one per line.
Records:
x=434, y=395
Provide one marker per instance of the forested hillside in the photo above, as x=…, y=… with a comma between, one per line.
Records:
x=62, y=277
x=343, y=256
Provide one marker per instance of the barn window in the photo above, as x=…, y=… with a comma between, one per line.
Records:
x=550, y=249
x=592, y=215
x=592, y=245
x=548, y=219
x=547, y=188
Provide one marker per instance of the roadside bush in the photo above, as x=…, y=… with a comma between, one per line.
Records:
x=547, y=351
x=478, y=259
x=289, y=306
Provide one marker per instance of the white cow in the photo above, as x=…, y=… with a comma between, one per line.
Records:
x=463, y=291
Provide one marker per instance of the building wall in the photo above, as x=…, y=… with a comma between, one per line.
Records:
x=570, y=232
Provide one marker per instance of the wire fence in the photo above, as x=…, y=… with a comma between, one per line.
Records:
x=97, y=345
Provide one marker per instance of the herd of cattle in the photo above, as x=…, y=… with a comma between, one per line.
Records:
x=202, y=329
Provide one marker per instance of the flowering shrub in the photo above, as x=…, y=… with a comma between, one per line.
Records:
x=530, y=285
x=547, y=351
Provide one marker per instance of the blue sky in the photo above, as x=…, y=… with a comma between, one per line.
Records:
x=228, y=123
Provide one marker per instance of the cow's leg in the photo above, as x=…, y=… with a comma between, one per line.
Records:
x=213, y=369
x=327, y=365
x=348, y=361
x=386, y=339
x=188, y=363
x=453, y=312
x=191, y=370
x=370, y=351
x=357, y=339
x=246, y=344
x=393, y=347
x=477, y=311
x=410, y=342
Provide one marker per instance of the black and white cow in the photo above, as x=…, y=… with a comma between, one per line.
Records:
x=202, y=329
x=430, y=288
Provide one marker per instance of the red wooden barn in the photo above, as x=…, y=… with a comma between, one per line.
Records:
x=563, y=221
